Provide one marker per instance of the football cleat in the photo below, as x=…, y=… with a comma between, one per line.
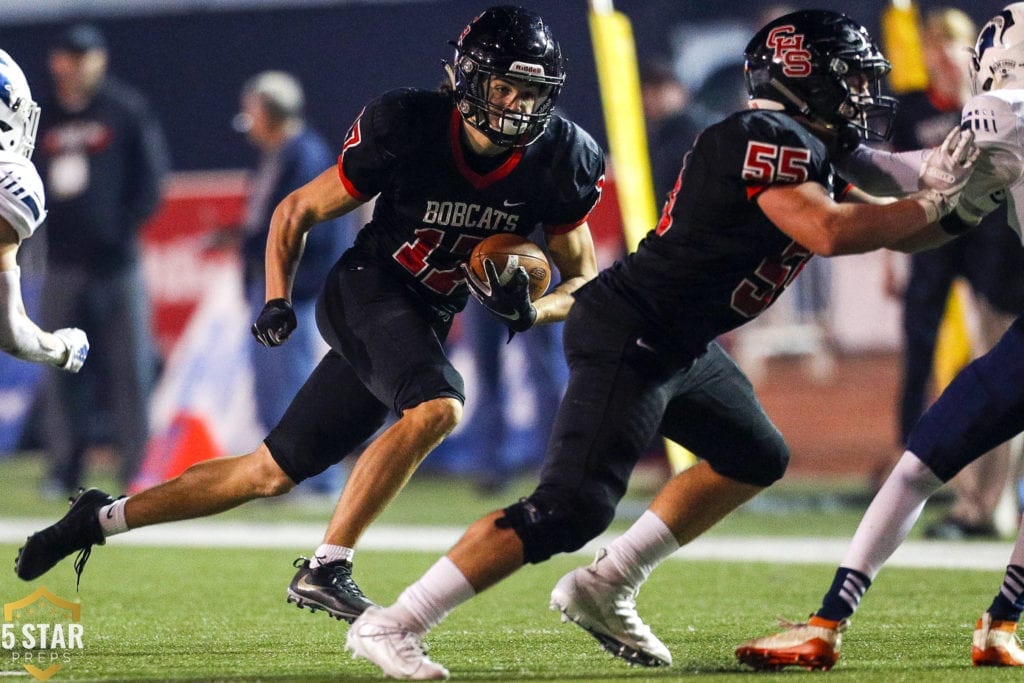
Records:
x=79, y=529
x=398, y=652
x=328, y=587
x=607, y=611
x=996, y=643
x=814, y=645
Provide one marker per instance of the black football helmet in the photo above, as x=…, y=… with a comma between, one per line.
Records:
x=511, y=43
x=824, y=66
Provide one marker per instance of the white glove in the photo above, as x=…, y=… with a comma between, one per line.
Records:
x=945, y=172
x=78, y=347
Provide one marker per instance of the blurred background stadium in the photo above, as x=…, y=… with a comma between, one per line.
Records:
x=828, y=376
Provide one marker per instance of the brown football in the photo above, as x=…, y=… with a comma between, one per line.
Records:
x=508, y=252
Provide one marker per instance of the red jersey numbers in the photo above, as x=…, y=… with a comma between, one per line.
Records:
x=665, y=222
x=789, y=50
x=766, y=163
x=757, y=292
x=415, y=258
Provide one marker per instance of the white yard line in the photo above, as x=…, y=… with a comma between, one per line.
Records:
x=211, y=533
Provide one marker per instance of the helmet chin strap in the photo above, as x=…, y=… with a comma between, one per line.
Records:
x=801, y=106
x=846, y=138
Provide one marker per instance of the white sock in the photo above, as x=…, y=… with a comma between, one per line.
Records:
x=328, y=553
x=425, y=603
x=112, y=518
x=635, y=554
x=891, y=515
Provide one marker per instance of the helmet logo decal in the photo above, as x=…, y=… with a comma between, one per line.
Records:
x=999, y=23
x=789, y=50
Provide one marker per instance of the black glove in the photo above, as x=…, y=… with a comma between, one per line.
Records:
x=510, y=302
x=276, y=322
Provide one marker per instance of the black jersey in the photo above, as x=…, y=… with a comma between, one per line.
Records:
x=434, y=200
x=715, y=260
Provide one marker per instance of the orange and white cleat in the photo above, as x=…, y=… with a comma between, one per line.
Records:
x=996, y=643
x=814, y=645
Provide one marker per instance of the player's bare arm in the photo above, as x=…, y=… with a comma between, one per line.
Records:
x=573, y=255
x=21, y=337
x=320, y=199
x=809, y=215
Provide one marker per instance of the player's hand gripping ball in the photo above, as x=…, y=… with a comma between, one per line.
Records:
x=506, y=274
x=508, y=252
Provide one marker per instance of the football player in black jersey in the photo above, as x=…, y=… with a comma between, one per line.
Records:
x=755, y=199
x=447, y=169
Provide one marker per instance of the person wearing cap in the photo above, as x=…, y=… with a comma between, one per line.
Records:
x=291, y=154
x=103, y=158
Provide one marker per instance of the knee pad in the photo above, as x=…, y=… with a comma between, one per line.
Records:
x=762, y=466
x=547, y=526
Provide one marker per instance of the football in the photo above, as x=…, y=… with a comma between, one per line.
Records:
x=508, y=251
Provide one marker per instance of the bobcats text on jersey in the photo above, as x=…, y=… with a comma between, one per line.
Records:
x=469, y=215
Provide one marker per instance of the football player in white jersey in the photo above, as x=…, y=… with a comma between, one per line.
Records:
x=22, y=209
x=981, y=408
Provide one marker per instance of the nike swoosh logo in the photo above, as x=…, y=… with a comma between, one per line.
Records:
x=511, y=204
x=514, y=316
x=110, y=513
x=644, y=345
x=305, y=585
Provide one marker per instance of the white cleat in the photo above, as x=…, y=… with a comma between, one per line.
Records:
x=995, y=643
x=607, y=611
x=399, y=652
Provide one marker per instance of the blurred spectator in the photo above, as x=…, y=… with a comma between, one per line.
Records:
x=672, y=123
x=291, y=154
x=989, y=258
x=103, y=158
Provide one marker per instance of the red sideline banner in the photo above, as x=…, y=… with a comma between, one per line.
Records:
x=175, y=255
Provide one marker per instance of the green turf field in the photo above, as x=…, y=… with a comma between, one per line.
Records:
x=220, y=613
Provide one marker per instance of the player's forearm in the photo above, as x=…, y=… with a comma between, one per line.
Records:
x=928, y=237
x=19, y=336
x=554, y=306
x=859, y=228
x=285, y=242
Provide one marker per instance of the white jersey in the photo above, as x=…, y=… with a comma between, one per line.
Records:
x=996, y=119
x=22, y=201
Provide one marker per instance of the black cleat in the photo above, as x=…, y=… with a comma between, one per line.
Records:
x=79, y=529
x=328, y=587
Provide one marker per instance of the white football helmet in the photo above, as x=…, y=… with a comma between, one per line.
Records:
x=998, y=57
x=19, y=114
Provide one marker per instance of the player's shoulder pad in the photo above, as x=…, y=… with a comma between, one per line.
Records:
x=396, y=118
x=733, y=135
x=995, y=117
x=768, y=126
x=572, y=154
x=22, y=199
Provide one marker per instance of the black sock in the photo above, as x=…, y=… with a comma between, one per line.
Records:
x=1009, y=601
x=848, y=587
